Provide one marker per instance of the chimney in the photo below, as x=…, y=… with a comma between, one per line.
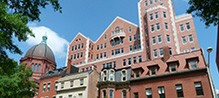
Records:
x=166, y=53
x=69, y=66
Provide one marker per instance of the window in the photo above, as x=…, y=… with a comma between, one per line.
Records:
x=146, y=32
x=82, y=69
x=62, y=85
x=104, y=54
x=123, y=93
x=147, y=43
x=148, y=93
x=179, y=90
x=193, y=64
x=104, y=93
x=152, y=28
x=111, y=94
x=190, y=38
x=72, y=48
x=75, y=47
x=155, y=52
x=124, y=62
x=135, y=95
x=130, y=48
x=173, y=68
x=48, y=87
x=101, y=55
x=164, y=15
x=156, y=14
x=32, y=66
x=139, y=59
x=97, y=56
x=97, y=47
x=158, y=26
x=154, y=40
x=146, y=3
x=71, y=83
x=138, y=36
x=74, y=56
x=104, y=45
x=151, y=17
x=159, y=38
x=186, y=50
x=181, y=27
x=151, y=1
x=101, y=46
x=112, y=52
x=111, y=75
x=129, y=61
x=56, y=85
x=77, y=55
x=168, y=38
x=139, y=45
x=35, y=69
x=82, y=45
x=122, y=50
x=184, y=40
x=81, y=54
x=79, y=46
x=193, y=49
x=153, y=70
x=44, y=87
x=104, y=76
x=130, y=29
x=198, y=88
x=80, y=95
x=170, y=51
x=124, y=75
x=166, y=26
x=161, y=92
x=135, y=47
x=134, y=60
x=105, y=36
x=69, y=96
x=161, y=51
x=135, y=37
x=81, y=81
x=137, y=74
x=71, y=57
x=130, y=38
x=60, y=96
x=188, y=26
x=39, y=67
x=114, y=64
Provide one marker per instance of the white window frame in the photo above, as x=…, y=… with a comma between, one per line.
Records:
x=184, y=41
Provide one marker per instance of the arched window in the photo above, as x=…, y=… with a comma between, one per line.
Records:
x=117, y=29
x=104, y=75
x=35, y=69
x=111, y=75
x=39, y=67
x=124, y=75
x=32, y=66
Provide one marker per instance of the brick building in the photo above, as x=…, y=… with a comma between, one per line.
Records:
x=159, y=58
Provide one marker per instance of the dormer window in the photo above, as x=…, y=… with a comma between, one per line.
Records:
x=124, y=73
x=193, y=64
x=137, y=75
x=173, y=68
x=111, y=75
x=104, y=75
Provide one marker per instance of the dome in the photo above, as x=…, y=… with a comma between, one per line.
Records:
x=41, y=50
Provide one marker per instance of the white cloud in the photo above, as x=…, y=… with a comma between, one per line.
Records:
x=54, y=41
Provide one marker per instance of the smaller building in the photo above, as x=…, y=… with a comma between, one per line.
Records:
x=49, y=83
x=78, y=85
x=114, y=83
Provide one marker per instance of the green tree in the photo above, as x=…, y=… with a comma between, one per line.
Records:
x=208, y=10
x=14, y=16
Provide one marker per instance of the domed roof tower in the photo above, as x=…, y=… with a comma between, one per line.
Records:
x=40, y=58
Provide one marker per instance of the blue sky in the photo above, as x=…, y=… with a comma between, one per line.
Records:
x=92, y=17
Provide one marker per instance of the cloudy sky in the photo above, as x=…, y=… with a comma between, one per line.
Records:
x=92, y=17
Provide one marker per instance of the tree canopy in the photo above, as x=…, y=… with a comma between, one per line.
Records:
x=14, y=16
x=208, y=10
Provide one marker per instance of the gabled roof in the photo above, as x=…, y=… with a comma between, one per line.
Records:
x=79, y=33
x=113, y=22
